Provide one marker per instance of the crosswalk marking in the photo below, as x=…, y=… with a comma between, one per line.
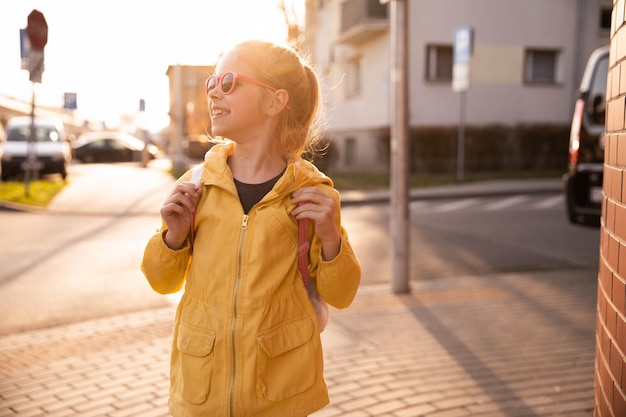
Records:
x=456, y=205
x=515, y=202
x=550, y=202
x=507, y=202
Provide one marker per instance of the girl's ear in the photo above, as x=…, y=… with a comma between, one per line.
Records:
x=280, y=100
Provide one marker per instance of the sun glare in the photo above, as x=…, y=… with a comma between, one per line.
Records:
x=114, y=53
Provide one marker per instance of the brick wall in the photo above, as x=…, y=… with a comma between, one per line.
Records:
x=610, y=367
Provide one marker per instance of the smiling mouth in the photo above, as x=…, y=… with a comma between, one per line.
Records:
x=218, y=112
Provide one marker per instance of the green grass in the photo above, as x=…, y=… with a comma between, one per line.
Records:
x=41, y=192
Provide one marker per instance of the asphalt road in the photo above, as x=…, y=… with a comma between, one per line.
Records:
x=80, y=258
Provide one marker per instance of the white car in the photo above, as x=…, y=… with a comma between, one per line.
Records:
x=51, y=148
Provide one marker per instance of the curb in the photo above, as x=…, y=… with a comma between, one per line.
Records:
x=477, y=189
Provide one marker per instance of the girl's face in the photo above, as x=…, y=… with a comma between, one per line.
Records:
x=239, y=114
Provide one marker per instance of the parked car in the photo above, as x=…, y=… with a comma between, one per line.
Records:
x=583, y=180
x=51, y=148
x=96, y=147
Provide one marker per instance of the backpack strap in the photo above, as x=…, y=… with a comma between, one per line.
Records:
x=196, y=175
x=303, y=249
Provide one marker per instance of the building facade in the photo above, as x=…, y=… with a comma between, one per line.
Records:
x=526, y=63
x=190, y=119
x=610, y=366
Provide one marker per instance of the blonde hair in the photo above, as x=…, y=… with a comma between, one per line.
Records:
x=299, y=130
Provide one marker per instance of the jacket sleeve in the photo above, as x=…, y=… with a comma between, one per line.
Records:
x=165, y=268
x=338, y=279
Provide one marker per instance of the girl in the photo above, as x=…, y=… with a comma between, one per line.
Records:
x=246, y=340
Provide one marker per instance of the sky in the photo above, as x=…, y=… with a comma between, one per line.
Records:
x=114, y=53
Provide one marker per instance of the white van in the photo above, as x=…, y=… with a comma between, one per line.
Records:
x=51, y=147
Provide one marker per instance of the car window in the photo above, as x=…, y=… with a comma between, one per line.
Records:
x=116, y=144
x=42, y=134
x=596, y=99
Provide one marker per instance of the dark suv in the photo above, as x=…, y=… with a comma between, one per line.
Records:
x=583, y=180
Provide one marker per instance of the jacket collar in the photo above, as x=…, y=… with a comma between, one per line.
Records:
x=299, y=173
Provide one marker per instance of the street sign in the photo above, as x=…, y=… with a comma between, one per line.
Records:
x=24, y=49
x=463, y=48
x=36, y=39
x=70, y=101
x=37, y=30
x=463, y=45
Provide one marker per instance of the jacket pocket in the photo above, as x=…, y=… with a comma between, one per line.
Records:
x=196, y=362
x=286, y=359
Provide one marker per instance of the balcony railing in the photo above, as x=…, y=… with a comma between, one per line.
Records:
x=362, y=19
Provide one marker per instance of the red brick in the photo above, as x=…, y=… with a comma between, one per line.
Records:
x=606, y=278
x=606, y=345
x=611, y=321
x=614, y=75
x=608, y=181
x=606, y=380
x=619, y=403
x=610, y=215
x=620, y=139
x=601, y=311
x=618, y=293
x=617, y=365
x=613, y=252
x=620, y=221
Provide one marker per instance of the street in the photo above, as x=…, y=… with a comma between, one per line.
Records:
x=69, y=264
x=500, y=320
x=476, y=236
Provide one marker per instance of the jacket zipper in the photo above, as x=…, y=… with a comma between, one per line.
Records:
x=244, y=227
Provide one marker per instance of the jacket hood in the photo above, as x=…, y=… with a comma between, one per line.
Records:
x=299, y=172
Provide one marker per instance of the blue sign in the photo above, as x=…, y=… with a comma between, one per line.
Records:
x=463, y=45
x=70, y=101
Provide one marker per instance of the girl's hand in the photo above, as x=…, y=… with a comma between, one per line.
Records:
x=320, y=208
x=176, y=213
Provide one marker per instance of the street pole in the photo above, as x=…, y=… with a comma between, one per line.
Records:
x=30, y=173
x=179, y=161
x=460, y=161
x=399, y=147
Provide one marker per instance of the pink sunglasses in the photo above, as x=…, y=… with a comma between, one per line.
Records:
x=228, y=80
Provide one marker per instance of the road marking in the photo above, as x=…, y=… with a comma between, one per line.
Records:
x=507, y=202
x=418, y=205
x=550, y=202
x=456, y=205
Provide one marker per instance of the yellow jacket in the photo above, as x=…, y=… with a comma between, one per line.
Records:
x=246, y=341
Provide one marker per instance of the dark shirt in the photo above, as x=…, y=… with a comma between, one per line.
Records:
x=250, y=194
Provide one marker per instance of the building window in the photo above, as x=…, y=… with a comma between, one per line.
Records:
x=439, y=63
x=353, y=77
x=350, y=153
x=541, y=66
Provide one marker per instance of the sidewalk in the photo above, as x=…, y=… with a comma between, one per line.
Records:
x=506, y=345
x=516, y=344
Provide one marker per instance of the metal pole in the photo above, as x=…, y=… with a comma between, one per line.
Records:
x=399, y=147
x=460, y=154
x=29, y=172
x=179, y=160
